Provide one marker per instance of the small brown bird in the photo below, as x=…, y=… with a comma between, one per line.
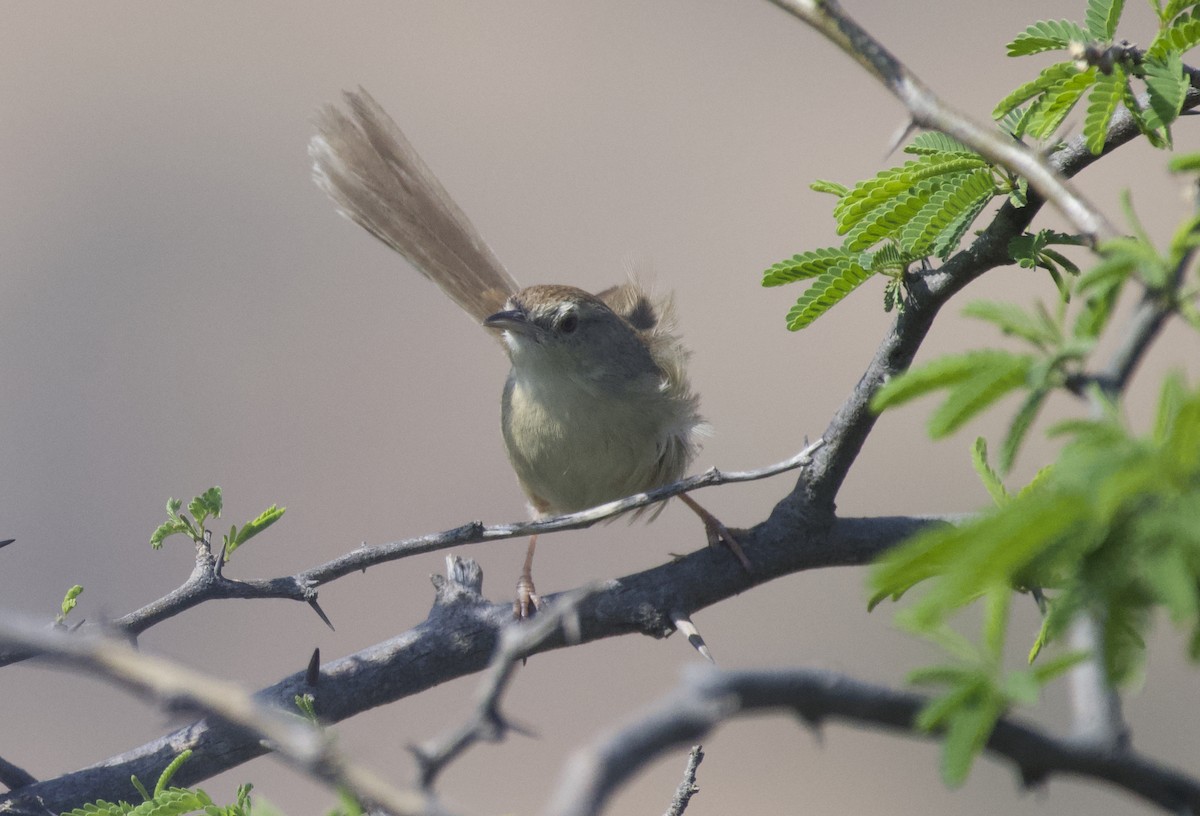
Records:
x=597, y=405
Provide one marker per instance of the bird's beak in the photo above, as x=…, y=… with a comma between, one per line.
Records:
x=513, y=320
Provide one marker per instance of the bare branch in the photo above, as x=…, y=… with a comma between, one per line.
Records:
x=487, y=723
x=708, y=697
x=687, y=787
x=177, y=688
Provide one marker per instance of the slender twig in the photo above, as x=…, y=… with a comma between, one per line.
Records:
x=708, y=697
x=928, y=111
x=177, y=688
x=206, y=584
x=687, y=786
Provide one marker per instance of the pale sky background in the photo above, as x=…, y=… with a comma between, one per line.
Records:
x=181, y=307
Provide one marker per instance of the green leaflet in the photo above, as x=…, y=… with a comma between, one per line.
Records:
x=1037, y=327
x=945, y=208
x=885, y=220
x=895, y=181
x=250, y=529
x=826, y=291
x=1046, y=35
x=1022, y=421
x=1102, y=104
x=953, y=233
x=1102, y=17
x=1174, y=8
x=973, y=381
x=832, y=187
x=975, y=393
x=990, y=478
x=1179, y=38
x=805, y=265
x=1049, y=111
x=206, y=504
x=1050, y=77
x=933, y=141
x=1167, y=86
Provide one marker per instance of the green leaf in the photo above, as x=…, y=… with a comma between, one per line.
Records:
x=973, y=395
x=1020, y=425
x=950, y=674
x=945, y=208
x=167, y=528
x=826, y=292
x=888, y=258
x=833, y=187
x=140, y=788
x=1056, y=258
x=1185, y=163
x=1102, y=17
x=206, y=504
x=1015, y=321
x=1171, y=399
x=987, y=552
x=252, y=528
x=1050, y=77
x=1056, y=103
x=1179, y=39
x=896, y=181
x=1046, y=35
x=933, y=141
x=953, y=232
x=1053, y=668
x=991, y=480
x=164, y=778
x=946, y=372
x=172, y=802
x=811, y=264
x=1102, y=104
x=71, y=599
x=995, y=621
x=892, y=295
x=1020, y=687
x=966, y=733
x=1174, y=8
x=884, y=221
x=1167, y=86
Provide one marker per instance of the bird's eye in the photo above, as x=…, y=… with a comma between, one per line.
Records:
x=569, y=323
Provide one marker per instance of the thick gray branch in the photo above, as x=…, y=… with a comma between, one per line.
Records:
x=460, y=636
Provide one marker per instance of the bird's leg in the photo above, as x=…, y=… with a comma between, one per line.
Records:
x=528, y=602
x=717, y=532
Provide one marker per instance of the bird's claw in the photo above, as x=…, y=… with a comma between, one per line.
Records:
x=528, y=602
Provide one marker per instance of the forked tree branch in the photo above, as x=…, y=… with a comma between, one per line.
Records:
x=178, y=689
x=708, y=697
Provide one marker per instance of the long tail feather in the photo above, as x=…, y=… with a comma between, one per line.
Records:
x=371, y=171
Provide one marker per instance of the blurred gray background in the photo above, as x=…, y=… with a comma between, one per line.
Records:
x=181, y=307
